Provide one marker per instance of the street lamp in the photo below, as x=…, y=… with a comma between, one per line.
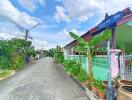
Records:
x=26, y=37
x=28, y=30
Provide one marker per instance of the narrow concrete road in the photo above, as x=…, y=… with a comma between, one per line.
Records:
x=44, y=80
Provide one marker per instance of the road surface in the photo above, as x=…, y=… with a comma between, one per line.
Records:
x=44, y=80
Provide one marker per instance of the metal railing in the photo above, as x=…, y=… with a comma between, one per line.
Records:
x=126, y=67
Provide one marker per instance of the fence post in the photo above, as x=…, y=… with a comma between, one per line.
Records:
x=87, y=67
x=121, y=67
x=110, y=92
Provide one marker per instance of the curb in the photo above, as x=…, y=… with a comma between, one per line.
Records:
x=75, y=80
x=11, y=74
x=78, y=83
x=62, y=66
x=88, y=92
x=91, y=95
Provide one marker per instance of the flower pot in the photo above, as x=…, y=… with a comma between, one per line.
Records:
x=95, y=89
x=124, y=92
x=89, y=87
x=105, y=83
x=101, y=95
x=125, y=82
x=85, y=83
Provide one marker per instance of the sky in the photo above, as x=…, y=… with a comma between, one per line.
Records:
x=56, y=17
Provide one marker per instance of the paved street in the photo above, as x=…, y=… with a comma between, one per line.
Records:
x=44, y=80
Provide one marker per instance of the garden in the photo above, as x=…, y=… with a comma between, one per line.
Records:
x=94, y=87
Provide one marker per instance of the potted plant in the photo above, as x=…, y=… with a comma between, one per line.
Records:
x=101, y=92
x=94, y=87
x=89, y=86
x=124, y=92
x=85, y=83
x=125, y=82
x=116, y=82
x=95, y=84
x=105, y=84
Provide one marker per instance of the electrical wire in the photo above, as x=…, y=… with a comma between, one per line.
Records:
x=5, y=19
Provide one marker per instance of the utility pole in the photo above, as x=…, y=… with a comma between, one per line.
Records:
x=27, y=34
x=42, y=51
x=28, y=30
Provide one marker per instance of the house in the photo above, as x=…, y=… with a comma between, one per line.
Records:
x=120, y=25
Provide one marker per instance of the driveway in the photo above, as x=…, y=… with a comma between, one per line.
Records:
x=44, y=80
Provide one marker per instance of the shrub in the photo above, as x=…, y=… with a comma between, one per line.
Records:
x=82, y=76
x=71, y=67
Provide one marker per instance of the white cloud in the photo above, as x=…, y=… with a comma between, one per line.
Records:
x=42, y=2
x=31, y=5
x=83, y=18
x=81, y=8
x=27, y=4
x=40, y=44
x=60, y=15
x=22, y=18
x=66, y=32
x=60, y=38
x=84, y=9
x=112, y=6
x=66, y=36
x=8, y=36
x=78, y=32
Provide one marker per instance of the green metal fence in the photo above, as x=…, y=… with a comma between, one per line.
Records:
x=100, y=69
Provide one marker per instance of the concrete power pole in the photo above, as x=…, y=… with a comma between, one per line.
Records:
x=28, y=30
x=27, y=34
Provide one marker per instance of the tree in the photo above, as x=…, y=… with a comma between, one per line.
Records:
x=12, y=52
x=59, y=56
x=91, y=44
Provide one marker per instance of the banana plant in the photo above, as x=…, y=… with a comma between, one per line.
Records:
x=80, y=50
x=94, y=41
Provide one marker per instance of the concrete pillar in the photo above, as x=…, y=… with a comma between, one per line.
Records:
x=114, y=62
x=113, y=38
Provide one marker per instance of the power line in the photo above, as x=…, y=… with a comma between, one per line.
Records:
x=7, y=19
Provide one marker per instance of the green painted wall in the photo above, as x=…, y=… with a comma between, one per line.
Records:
x=100, y=69
x=99, y=66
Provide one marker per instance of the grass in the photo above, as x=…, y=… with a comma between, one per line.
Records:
x=5, y=73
